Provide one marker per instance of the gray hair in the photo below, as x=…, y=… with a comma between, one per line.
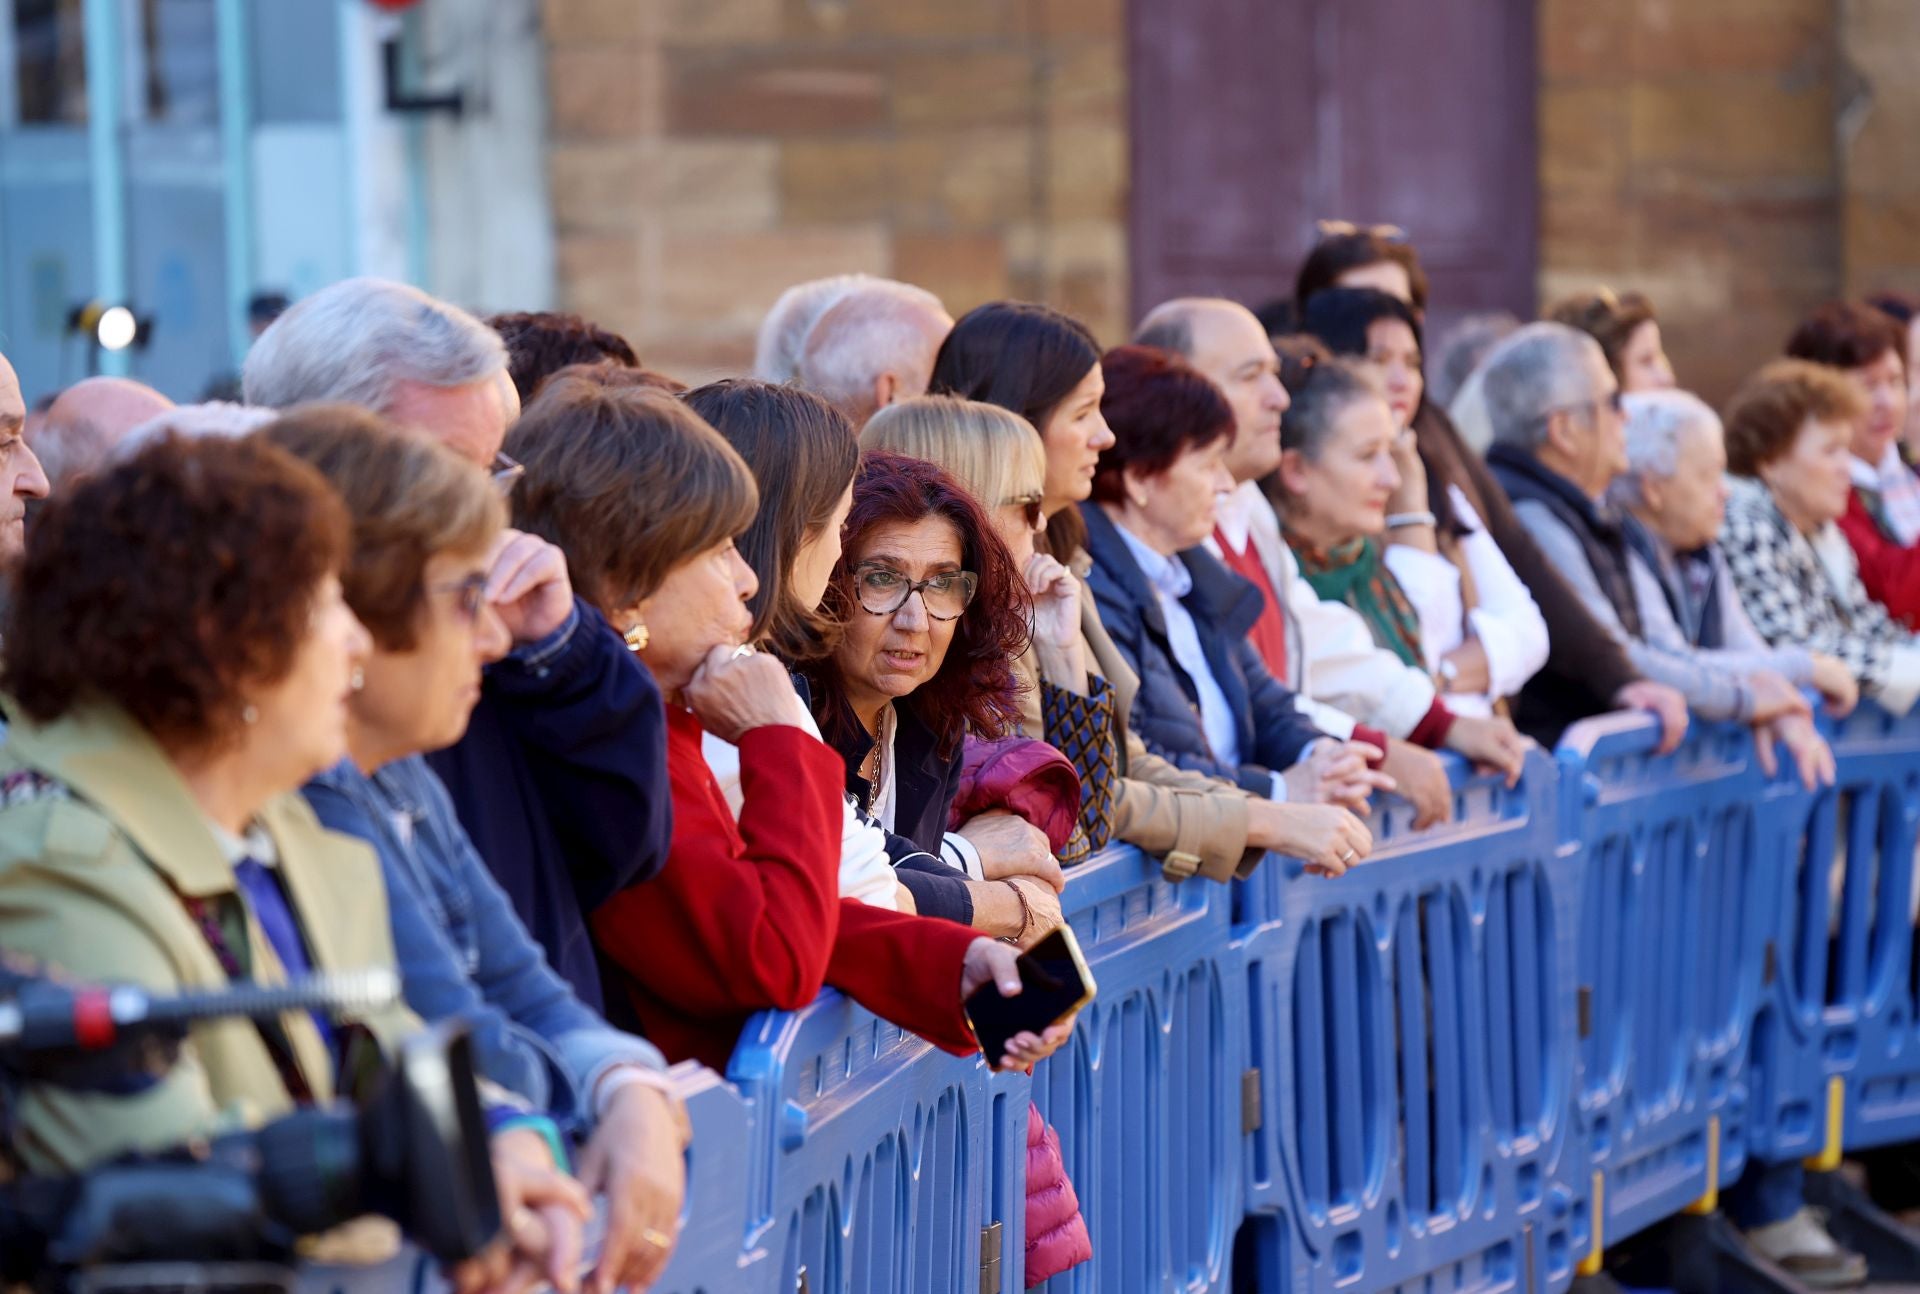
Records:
x=783, y=333
x=1460, y=350
x=1656, y=420
x=214, y=418
x=1540, y=369
x=1169, y=326
x=1330, y=386
x=356, y=340
x=871, y=330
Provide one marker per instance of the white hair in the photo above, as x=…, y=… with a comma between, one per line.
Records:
x=1656, y=422
x=214, y=418
x=872, y=330
x=1541, y=368
x=783, y=333
x=354, y=341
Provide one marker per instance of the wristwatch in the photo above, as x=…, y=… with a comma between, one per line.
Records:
x=1448, y=671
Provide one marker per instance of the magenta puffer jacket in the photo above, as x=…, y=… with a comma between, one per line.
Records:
x=1024, y=777
x=1057, y=1239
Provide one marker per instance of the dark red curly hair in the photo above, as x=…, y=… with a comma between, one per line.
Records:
x=976, y=689
x=171, y=584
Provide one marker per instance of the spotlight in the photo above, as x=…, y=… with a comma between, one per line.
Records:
x=110, y=327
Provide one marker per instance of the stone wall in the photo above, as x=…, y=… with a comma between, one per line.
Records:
x=1739, y=160
x=708, y=153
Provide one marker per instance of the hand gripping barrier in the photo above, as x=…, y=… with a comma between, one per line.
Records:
x=1839, y=1055
x=1146, y=1097
x=1672, y=939
x=1410, y=1033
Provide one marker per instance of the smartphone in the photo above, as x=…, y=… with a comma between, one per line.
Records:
x=1054, y=983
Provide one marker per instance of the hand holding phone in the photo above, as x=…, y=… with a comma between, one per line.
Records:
x=1054, y=983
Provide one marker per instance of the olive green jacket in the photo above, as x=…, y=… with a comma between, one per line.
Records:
x=97, y=853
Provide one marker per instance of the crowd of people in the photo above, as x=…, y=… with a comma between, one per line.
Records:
x=611, y=712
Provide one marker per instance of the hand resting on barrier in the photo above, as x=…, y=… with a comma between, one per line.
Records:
x=1774, y=697
x=636, y=1159
x=1337, y=772
x=544, y=1214
x=991, y=962
x=1812, y=757
x=1494, y=745
x=1325, y=837
x=1421, y=780
x=1011, y=846
x=1664, y=703
x=1836, y=683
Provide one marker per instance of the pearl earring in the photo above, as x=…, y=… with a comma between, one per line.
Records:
x=249, y=716
x=358, y=679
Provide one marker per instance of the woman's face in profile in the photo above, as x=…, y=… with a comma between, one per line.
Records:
x=700, y=605
x=887, y=655
x=302, y=718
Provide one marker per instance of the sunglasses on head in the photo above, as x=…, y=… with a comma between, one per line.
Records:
x=1346, y=229
x=1030, y=508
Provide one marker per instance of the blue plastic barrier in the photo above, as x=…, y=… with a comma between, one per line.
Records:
x=1410, y=1025
x=1491, y=1050
x=1674, y=926
x=1146, y=1096
x=1839, y=1063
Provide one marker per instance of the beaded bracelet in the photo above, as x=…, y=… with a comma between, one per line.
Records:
x=1026, y=915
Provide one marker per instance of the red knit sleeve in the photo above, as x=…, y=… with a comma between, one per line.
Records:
x=905, y=969
x=1431, y=732
x=739, y=919
x=1891, y=573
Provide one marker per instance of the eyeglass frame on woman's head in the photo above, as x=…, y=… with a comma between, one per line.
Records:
x=1032, y=502
x=472, y=594
x=505, y=471
x=1347, y=228
x=969, y=583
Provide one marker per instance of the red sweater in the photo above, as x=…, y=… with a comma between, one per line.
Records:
x=1890, y=572
x=1269, y=632
x=747, y=917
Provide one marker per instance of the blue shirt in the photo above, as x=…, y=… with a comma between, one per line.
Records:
x=462, y=950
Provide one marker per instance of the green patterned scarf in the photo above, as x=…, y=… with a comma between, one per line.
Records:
x=1354, y=573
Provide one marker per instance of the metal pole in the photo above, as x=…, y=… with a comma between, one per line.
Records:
x=236, y=189
x=106, y=165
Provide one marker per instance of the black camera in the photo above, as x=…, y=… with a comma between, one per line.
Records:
x=227, y=1213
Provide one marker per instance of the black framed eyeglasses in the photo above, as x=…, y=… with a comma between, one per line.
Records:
x=505, y=472
x=881, y=591
x=470, y=594
x=1029, y=504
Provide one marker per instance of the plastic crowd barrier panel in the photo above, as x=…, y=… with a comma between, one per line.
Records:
x=1146, y=1096
x=1410, y=1043
x=1838, y=1045
x=1672, y=938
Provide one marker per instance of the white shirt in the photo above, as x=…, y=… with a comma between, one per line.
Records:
x=1506, y=620
x=1898, y=490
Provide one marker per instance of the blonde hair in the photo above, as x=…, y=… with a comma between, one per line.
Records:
x=994, y=453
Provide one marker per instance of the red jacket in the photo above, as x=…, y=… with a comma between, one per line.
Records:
x=748, y=918
x=1890, y=572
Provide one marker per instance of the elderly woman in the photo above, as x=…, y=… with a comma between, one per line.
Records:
x=425, y=525
x=1788, y=437
x=646, y=500
x=1628, y=333
x=802, y=453
x=180, y=659
x=1882, y=520
x=1587, y=671
x=1072, y=667
x=1482, y=635
x=1337, y=475
x=1179, y=617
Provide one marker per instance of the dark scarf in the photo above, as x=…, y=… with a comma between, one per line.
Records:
x=1353, y=573
x=1697, y=615
x=1596, y=526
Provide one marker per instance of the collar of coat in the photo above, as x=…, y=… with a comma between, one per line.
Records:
x=1219, y=598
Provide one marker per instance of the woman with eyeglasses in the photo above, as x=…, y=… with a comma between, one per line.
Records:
x=747, y=915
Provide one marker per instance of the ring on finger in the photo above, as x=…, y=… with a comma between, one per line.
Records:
x=657, y=1238
x=1348, y=857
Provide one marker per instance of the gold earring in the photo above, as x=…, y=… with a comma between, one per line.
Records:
x=637, y=637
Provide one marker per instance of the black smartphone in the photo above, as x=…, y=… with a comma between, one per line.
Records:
x=1054, y=983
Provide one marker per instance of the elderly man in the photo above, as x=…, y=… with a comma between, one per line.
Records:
x=873, y=346
x=21, y=476
x=560, y=780
x=87, y=422
x=783, y=333
x=1322, y=650
x=1559, y=442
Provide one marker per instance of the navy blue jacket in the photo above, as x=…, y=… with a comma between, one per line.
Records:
x=1166, y=711
x=561, y=781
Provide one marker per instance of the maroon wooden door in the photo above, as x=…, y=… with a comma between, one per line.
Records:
x=1252, y=119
